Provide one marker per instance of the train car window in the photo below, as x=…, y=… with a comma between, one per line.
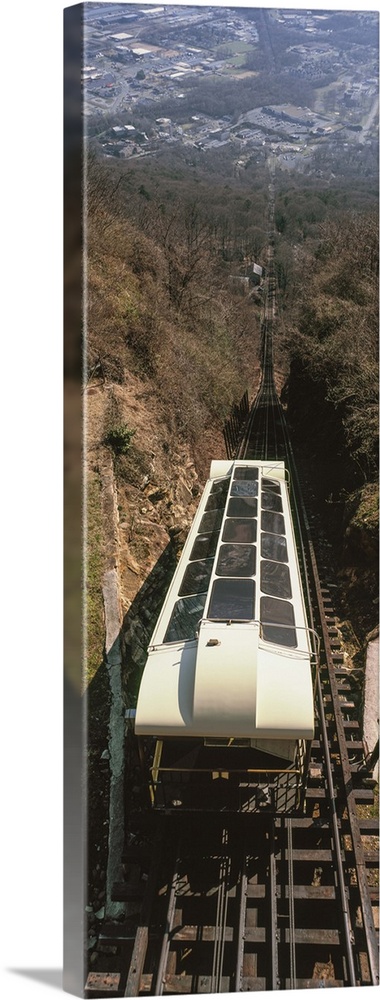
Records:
x=246, y=473
x=242, y=507
x=218, y=496
x=236, y=560
x=215, y=503
x=220, y=484
x=196, y=577
x=204, y=546
x=270, y=484
x=211, y=520
x=238, y=529
x=270, y=521
x=275, y=579
x=232, y=599
x=274, y=547
x=271, y=501
x=185, y=618
x=280, y=615
x=244, y=489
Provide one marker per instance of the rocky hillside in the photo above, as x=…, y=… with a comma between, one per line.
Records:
x=172, y=345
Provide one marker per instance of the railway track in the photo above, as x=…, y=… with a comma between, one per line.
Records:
x=261, y=902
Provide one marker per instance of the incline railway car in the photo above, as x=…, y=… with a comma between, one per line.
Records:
x=227, y=690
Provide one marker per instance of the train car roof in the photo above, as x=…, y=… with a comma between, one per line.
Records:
x=230, y=655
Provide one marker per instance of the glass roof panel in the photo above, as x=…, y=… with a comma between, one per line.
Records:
x=244, y=489
x=271, y=521
x=185, y=618
x=239, y=529
x=217, y=497
x=274, y=547
x=275, y=579
x=271, y=501
x=220, y=484
x=236, y=560
x=280, y=614
x=232, y=599
x=240, y=507
x=270, y=484
x=211, y=520
x=204, y=545
x=196, y=577
x=244, y=472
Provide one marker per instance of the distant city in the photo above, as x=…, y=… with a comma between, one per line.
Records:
x=141, y=58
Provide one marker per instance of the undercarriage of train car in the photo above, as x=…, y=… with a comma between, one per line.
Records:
x=226, y=775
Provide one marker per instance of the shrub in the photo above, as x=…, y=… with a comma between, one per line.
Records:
x=119, y=438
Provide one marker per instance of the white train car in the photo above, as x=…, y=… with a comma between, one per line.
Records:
x=227, y=692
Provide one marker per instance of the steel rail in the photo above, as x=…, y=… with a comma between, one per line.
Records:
x=348, y=932
x=162, y=964
x=292, y=945
x=221, y=917
x=347, y=778
x=267, y=396
x=241, y=923
x=302, y=529
x=275, y=981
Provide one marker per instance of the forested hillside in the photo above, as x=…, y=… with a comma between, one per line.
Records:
x=332, y=389
x=161, y=303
